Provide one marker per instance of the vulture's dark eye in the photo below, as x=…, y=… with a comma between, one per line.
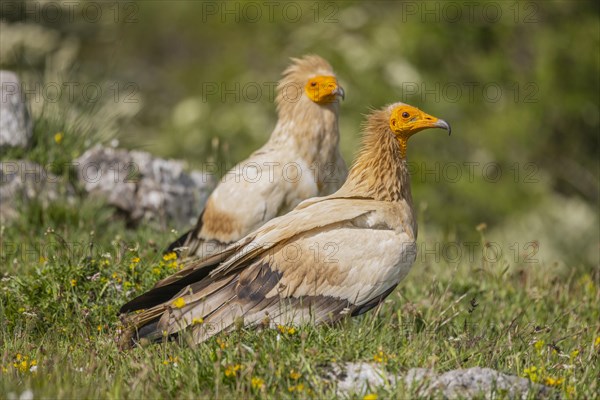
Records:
x=313, y=84
x=404, y=114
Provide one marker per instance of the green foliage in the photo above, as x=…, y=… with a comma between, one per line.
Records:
x=60, y=310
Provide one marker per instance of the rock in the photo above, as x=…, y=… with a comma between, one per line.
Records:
x=476, y=381
x=359, y=378
x=22, y=181
x=16, y=128
x=144, y=187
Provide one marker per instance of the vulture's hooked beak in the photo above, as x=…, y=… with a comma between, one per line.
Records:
x=339, y=91
x=440, y=123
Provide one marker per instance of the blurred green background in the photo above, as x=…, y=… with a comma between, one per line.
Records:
x=519, y=82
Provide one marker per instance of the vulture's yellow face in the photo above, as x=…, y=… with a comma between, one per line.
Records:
x=407, y=120
x=323, y=89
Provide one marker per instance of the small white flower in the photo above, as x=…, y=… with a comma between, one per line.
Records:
x=26, y=395
x=33, y=368
x=94, y=277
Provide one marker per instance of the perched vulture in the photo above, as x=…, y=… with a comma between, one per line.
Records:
x=301, y=160
x=331, y=256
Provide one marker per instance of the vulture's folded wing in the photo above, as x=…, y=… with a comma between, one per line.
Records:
x=332, y=258
x=307, y=217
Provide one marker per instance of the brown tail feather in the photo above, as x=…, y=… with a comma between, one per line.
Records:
x=161, y=294
x=140, y=326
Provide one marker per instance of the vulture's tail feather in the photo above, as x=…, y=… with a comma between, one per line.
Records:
x=148, y=333
x=178, y=244
x=185, y=240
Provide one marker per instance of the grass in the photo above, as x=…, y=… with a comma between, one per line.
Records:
x=66, y=269
x=59, y=306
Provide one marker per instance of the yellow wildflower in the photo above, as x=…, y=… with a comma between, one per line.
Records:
x=290, y=330
x=296, y=388
x=197, y=321
x=574, y=353
x=232, y=369
x=257, y=383
x=58, y=137
x=370, y=396
x=380, y=357
x=171, y=360
x=23, y=366
x=222, y=344
x=553, y=381
x=531, y=373
x=135, y=260
x=73, y=282
x=99, y=328
x=295, y=375
x=156, y=271
x=170, y=256
x=597, y=342
x=178, y=303
x=172, y=265
x=539, y=345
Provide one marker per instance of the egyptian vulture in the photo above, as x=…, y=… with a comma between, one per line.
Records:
x=330, y=257
x=300, y=160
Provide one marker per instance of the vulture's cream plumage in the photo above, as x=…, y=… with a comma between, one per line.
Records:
x=301, y=160
x=331, y=256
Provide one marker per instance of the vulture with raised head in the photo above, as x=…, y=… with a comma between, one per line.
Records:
x=330, y=257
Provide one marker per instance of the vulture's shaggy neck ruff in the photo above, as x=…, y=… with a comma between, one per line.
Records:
x=310, y=128
x=380, y=171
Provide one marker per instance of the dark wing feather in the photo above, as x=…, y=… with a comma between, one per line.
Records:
x=189, y=244
x=373, y=303
x=179, y=243
x=160, y=294
x=186, y=239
